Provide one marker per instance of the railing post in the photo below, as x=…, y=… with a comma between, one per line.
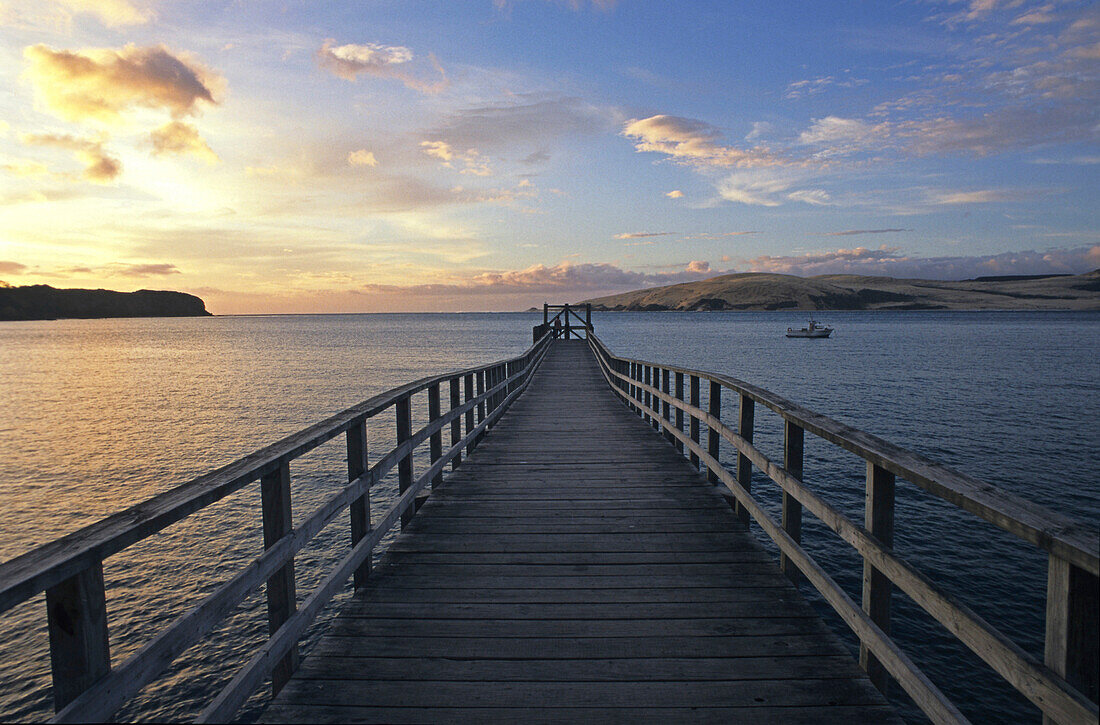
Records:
x=568, y=323
x=680, y=411
x=877, y=589
x=281, y=602
x=793, y=446
x=588, y=319
x=404, y=466
x=360, y=507
x=634, y=376
x=666, y=407
x=76, y=611
x=694, y=424
x=481, y=405
x=435, y=442
x=744, y=465
x=714, y=407
x=651, y=399
x=1072, y=639
x=469, y=385
x=456, y=424
x=545, y=313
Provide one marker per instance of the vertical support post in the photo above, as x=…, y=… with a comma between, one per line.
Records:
x=76, y=610
x=281, y=602
x=435, y=442
x=403, y=408
x=694, y=425
x=877, y=589
x=666, y=407
x=360, y=507
x=545, y=313
x=456, y=424
x=680, y=411
x=636, y=376
x=714, y=407
x=588, y=319
x=793, y=446
x=469, y=385
x=568, y=322
x=1072, y=639
x=744, y=465
x=651, y=399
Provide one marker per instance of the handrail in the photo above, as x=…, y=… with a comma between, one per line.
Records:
x=69, y=569
x=1044, y=684
x=1049, y=530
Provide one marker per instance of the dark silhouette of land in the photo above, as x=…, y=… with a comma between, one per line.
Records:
x=761, y=291
x=42, y=302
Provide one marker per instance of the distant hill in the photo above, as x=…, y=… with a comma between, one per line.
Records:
x=757, y=291
x=42, y=302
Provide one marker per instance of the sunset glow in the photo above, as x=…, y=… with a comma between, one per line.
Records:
x=493, y=154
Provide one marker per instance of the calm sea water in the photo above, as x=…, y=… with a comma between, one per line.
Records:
x=97, y=415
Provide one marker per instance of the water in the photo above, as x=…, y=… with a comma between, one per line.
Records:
x=99, y=414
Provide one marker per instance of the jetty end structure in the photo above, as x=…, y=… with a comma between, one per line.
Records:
x=575, y=550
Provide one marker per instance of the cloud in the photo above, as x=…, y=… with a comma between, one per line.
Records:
x=530, y=119
x=470, y=159
x=769, y=187
x=143, y=270
x=563, y=278
x=640, y=235
x=101, y=83
x=12, y=267
x=981, y=196
x=692, y=142
x=891, y=262
x=814, y=86
x=604, y=5
x=675, y=194
x=721, y=235
x=26, y=168
x=381, y=61
x=111, y=13
x=177, y=138
x=99, y=168
x=854, y=232
x=362, y=157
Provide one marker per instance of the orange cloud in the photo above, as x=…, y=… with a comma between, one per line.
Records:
x=101, y=83
x=99, y=168
x=693, y=142
x=381, y=61
x=177, y=138
x=362, y=157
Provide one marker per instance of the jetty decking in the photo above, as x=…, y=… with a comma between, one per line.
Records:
x=576, y=568
x=571, y=563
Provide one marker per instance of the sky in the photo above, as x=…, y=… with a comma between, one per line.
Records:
x=414, y=155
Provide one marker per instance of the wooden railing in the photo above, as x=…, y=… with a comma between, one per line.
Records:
x=86, y=688
x=1064, y=688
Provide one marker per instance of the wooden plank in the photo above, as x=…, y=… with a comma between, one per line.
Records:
x=793, y=446
x=281, y=600
x=360, y=507
x=820, y=692
x=698, y=669
x=841, y=715
x=403, y=410
x=877, y=588
x=77, y=624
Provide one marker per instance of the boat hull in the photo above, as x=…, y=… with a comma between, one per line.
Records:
x=807, y=333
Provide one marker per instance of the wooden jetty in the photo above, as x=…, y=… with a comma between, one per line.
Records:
x=576, y=551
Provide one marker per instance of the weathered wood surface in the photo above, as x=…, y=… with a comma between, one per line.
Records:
x=574, y=568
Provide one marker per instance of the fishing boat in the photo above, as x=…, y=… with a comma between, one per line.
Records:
x=814, y=330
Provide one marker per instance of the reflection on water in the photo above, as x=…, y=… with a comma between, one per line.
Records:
x=99, y=414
